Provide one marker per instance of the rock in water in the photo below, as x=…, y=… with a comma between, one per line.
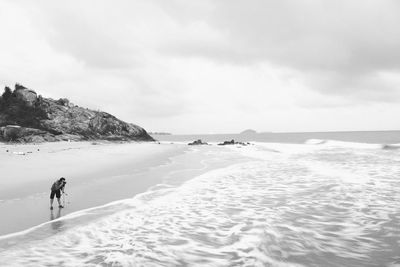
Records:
x=27, y=117
x=233, y=142
x=197, y=143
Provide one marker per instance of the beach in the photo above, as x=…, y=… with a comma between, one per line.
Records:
x=317, y=203
x=97, y=173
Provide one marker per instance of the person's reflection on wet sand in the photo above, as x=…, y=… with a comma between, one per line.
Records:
x=57, y=225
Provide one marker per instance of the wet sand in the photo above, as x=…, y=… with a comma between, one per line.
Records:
x=96, y=173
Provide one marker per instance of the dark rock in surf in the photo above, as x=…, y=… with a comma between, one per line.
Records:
x=232, y=142
x=197, y=143
x=391, y=147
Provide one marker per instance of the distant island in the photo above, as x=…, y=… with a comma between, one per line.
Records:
x=27, y=117
x=248, y=132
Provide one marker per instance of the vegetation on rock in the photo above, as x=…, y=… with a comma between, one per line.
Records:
x=26, y=117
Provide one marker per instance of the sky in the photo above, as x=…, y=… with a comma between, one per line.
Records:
x=212, y=66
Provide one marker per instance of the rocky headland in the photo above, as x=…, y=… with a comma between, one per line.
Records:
x=28, y=117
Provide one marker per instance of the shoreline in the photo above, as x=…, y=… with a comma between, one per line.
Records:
x=46, y=162
x=90, y=171
x=123, y=171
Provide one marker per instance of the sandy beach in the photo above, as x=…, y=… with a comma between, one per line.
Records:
x=97, y=173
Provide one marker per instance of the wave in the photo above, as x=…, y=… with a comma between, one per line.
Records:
x=43, y=227
x=315, y=141
x=266, y=150
x=344, y=144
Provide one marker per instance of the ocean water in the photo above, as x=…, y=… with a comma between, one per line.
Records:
x=374, y=137
x=317, y=203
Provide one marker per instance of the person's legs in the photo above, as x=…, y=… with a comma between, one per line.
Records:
x=52, y=199
x=58, y=195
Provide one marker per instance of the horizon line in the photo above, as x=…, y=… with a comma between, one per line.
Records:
x=270, y=132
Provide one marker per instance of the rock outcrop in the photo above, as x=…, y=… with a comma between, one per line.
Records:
x=27, y=117
x=198, y=142
x=25, y=95
x=233, y=142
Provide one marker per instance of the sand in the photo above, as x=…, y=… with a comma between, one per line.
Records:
x=96, y=173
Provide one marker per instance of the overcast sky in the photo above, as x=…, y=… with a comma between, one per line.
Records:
x=212, y=66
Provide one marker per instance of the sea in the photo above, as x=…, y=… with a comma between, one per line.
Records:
x=373, y=137
x=299, y=199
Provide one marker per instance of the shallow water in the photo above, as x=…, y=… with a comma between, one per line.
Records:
x=325, y=204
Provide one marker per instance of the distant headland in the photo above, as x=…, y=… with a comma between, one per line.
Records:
x=248, y=132
x=28, y=117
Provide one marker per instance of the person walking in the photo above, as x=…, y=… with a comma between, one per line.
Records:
x=56, y=189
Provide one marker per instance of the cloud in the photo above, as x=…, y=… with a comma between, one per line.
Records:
x=310, y=34
x=100, y=34
x=336, y=45
x=220, y=66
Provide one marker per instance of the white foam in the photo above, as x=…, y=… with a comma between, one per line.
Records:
x=315, y=141
x=327, y=170
x=334, y=143
x=343, y=144
x=74, y=215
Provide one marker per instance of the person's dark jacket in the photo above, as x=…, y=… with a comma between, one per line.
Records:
x=57, y=185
